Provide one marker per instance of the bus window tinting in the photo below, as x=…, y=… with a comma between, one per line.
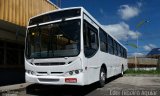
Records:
x=115, y=48
x=55, y=16
x=103, y=41
x=54, y=40
x=110, y=45
x=90, y=39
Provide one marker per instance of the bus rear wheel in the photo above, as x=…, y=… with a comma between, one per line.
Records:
x=102, y=78
x=122, y=71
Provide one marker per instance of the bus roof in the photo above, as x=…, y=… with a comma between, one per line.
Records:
x=86, y=12
x=56, y=11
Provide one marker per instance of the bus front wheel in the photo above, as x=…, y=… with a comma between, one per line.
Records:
x=102, y=78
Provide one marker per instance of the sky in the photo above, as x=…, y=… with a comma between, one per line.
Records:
x=126, y=20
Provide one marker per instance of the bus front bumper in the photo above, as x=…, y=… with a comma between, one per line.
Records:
x=56, y=80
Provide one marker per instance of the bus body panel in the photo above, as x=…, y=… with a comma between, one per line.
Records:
x=54, y=80
x=53, y=72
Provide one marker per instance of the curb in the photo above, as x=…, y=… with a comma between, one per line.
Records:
x=142, y=75
x=14, y=87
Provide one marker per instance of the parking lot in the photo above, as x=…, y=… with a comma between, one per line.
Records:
x=116, y=86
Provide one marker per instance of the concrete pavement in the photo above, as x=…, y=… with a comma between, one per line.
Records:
x=116, y=86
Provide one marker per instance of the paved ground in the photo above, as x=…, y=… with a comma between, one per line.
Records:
x=116, y=86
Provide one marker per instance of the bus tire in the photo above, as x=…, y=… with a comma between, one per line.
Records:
x=102, y=78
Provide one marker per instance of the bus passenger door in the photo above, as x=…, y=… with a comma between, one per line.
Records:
x=91, y=52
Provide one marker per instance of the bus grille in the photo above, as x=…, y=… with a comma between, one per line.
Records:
x=50, y=73
x=50, y=64
x=48, y=80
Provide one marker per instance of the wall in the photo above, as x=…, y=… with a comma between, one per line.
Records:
x=14, y=15
x=19, y=11
x=142, y=62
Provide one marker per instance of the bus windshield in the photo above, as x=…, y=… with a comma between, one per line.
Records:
x=60, y=39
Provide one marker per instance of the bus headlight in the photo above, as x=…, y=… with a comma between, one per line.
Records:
x=70, y=72
x=30, y=72
x=77, y=71
x=74, y=72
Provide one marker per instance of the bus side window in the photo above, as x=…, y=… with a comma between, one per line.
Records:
x=103, y=41
x=110, y=45
x=115, y=48
x=90, y=39
x=119, y=50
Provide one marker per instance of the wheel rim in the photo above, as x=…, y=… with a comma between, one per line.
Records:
x=103, y=76
x=122, y=71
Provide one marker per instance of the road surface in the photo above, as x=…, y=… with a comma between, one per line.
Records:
x=116, y=86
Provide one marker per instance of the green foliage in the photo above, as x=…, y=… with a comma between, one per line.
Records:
x=138, y=71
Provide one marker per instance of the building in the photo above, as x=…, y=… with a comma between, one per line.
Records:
x=142, y=63
x=154, y=53
x=14, y=15
x=150, y=61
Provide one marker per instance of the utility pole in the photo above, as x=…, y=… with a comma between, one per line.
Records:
x=158, y=64
x=59, y=3
x=137, y=41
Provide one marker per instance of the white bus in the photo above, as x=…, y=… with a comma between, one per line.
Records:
x=69, y=47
